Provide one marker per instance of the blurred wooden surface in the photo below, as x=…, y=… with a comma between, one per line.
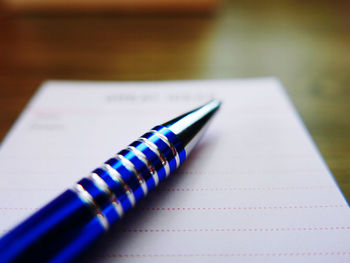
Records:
x=139, y=6
x=304, y=43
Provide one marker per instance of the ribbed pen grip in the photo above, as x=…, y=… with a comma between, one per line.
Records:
x=71, y=222
x=116, y=186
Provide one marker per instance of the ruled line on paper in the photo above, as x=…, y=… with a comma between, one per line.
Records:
x=247, y=229
x=242, y=229
x=214, y=209
x=205, y=189
x=251, y=254
x=97, y=111
x=47, y=112
x=274, y=172
x=235, y=208
x=247, y=188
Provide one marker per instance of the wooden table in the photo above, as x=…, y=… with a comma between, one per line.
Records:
x=304, y=43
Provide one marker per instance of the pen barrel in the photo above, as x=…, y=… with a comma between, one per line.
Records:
x=56, y=233
x=70, y=223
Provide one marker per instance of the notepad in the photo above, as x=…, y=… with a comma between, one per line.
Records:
x=255, y=189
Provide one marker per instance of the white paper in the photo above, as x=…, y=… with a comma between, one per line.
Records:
x=255, y=189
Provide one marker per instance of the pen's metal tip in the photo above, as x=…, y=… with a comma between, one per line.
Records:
x=190, y=126
x=214, y=103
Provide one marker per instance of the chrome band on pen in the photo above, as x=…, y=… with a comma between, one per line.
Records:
x=175, y=142
x=160, y=155
x=170, y=145
x=129, y=165
x=100, y=183
x=117, y=177
x=89, y=200
x=144, y=159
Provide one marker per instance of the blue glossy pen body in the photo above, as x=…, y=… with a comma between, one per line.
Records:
x=71, y=222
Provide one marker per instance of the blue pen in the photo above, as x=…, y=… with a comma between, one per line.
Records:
x=66, y=226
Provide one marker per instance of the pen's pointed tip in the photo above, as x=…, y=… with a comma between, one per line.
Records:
x=215, y=103
x=189, y=126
